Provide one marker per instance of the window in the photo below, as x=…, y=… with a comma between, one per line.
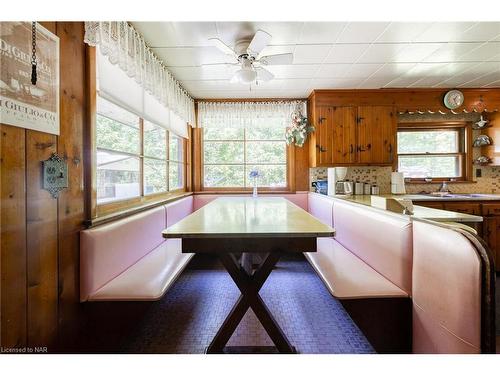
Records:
x=135, y=157
x=431, y=152
x=229, y=154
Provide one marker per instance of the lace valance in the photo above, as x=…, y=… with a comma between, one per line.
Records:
x=242, y=114
x=124, y=46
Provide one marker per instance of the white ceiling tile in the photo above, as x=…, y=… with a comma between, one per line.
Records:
x=192, y=56
x=493, y=84
x=331, y=55
x=295, y=84
x=176, y=34
x=403, y=31
x=373, y=83
x=362, y=32
x=310, y=54
x=487, y=51
x=402, y=82
x=345, y=53
x=203, y=72
x=444, y=31
x=392, y=71
x=468, y=75
x=281, y=32
x=482, y=80
x=480, y=32
x=450, y=52
x=381, y=53
x=320, y=32
x=416, y=52
x=362, y=70
x=333, y=70
x=293, y=71
x=338, y=83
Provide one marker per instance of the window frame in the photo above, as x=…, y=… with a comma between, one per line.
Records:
x=127, y=203
x=289, y=163
x=464, y=130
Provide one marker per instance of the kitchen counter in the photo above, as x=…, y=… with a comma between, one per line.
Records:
x=419, y=211
x=448, y=198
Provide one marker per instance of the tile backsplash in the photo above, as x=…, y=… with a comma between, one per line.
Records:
x=488, y=183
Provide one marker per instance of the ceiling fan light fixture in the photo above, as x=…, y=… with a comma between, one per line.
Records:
x=246, y=75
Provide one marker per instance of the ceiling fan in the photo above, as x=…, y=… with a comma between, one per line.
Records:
x=247, y=53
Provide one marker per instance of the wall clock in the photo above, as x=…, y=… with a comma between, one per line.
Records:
x=453, y=99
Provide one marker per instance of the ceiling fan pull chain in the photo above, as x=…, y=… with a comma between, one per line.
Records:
x=33, y=53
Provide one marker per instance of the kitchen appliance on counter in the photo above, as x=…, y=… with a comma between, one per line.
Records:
x=321, y=186
x=337, y=184
x=359, y=188
x=398, y=183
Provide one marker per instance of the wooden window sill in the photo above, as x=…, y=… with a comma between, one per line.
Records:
x=134, y=210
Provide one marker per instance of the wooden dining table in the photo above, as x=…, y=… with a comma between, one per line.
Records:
x=231, y=226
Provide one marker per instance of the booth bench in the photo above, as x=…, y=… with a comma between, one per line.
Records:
x=410, y=285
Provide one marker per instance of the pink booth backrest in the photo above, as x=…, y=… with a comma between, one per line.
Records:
x=178, y=210
x=382, y=240
x=108, y=250
x=446, y=291
x=299, y=198
x=321, y=208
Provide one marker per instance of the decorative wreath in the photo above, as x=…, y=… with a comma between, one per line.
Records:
x=299, y=129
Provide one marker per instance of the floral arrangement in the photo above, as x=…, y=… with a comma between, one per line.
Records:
x=299, y=129
x=254, y=175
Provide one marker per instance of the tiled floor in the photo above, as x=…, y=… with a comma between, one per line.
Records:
x=186, y=319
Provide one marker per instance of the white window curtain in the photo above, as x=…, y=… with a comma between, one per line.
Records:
x=243, y=114
x=124, y=47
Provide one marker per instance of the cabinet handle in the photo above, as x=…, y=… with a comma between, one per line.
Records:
x=352, y=149
x=321, y=148
x=361, y=149
x=359, y=119
x=321, y=119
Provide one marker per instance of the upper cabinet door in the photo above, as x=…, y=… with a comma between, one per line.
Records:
x=324, y=136
x=343, y=124
x=376, y=134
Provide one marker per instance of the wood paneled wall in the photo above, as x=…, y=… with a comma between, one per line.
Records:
x=39, y=256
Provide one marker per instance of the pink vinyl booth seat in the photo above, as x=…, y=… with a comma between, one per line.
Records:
x=129, y=260
x=410, y=285
x=453, y=291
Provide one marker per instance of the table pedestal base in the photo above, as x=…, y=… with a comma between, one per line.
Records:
x=249, y=284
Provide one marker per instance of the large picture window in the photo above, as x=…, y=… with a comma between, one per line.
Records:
x=135, y=157
x=229, y=154
x=437, y=153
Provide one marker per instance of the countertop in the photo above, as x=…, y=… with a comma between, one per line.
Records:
x=418, y=212
x=450, y=197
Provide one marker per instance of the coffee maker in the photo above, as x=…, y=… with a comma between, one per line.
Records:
x=337, y=184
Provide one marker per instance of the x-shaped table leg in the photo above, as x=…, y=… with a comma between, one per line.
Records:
x=249, y=285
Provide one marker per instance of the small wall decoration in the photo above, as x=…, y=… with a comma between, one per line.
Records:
x=299, y=129
x=22, y=103
x=55, y=175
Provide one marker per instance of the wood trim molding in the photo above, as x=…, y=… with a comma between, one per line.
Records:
x=410, y=100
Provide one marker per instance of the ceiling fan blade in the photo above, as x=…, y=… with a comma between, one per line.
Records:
x=264, y=75
x=281, y=59
x=223, y=47
x=260, y=40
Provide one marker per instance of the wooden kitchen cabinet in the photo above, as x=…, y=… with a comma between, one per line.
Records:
x=463, y=207
x=491, y=235
x=377, y=126
x=348, y=136
x=335, y=136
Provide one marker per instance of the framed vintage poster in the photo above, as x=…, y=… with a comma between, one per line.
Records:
x=23, y=104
